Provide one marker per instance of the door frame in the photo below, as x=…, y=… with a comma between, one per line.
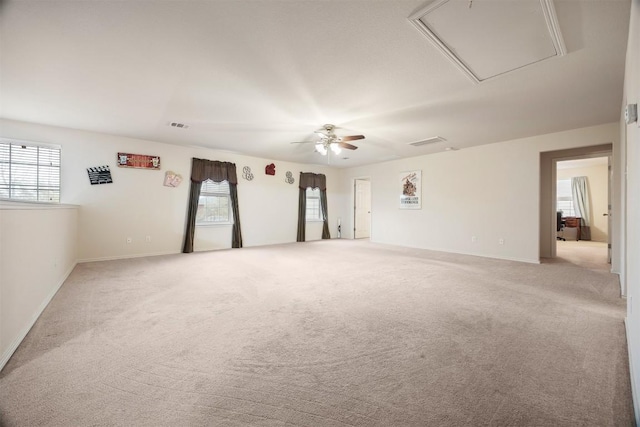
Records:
x=548, y=176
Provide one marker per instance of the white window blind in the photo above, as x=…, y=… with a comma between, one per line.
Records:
x=29, y=172
x=214, y=204
x=564, y=197
x=314, y=212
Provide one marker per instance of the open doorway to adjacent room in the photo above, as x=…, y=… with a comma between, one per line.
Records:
x=583, y=211
x=548, y=244
x=362, y=208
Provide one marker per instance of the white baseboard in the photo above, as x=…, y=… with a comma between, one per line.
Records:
x=23, y=333
x=634, y=386
x=115, y=257
x=490, y=256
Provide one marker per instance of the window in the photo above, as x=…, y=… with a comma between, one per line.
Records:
x=314, y=211
x=564, y=197
x=214, y=205
x=29, y=172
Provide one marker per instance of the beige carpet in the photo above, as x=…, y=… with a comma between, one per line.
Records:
x=583, y=253
x=333, y=333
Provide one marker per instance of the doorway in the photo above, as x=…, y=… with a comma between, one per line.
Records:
x=362, y=208
x=548, y=200
x=583, y=201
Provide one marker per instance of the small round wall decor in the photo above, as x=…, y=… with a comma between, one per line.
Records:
x=246, y=173
x=289, y=179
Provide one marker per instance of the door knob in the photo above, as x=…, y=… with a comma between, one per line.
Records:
x=605, y=214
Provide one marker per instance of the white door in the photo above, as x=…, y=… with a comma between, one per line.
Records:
x=362, y=196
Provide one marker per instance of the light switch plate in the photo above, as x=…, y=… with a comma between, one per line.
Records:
x=631, y=113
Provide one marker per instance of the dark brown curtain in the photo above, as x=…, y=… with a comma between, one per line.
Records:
x=194, y=195
x=236, y=233
x=325, y=214
x=312, y=180
x=302, y=213
x=201, y=170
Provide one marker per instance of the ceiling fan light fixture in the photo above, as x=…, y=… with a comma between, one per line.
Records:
x=328, y=142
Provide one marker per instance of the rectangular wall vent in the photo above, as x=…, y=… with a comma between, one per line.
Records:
x=431, y=140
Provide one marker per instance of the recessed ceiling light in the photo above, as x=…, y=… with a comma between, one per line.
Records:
x=452, y=149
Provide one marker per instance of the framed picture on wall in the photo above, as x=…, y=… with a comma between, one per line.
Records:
x=139, y=161
x=411, y=190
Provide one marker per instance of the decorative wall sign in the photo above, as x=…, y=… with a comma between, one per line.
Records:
x=99, y=175
x=246, y=173
x=289, y=179
x=410, y=190
x=172, y=179
x=139, y=161
x=270, y=169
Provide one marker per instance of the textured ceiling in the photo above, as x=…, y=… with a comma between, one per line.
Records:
x=254, y=76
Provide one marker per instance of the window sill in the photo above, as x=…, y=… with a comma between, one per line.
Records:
x=7, y=204
x=314, y=220
x=214, y=224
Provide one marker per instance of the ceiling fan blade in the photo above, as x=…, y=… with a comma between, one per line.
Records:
x=302, y=142
x=352, y=137
x=347, y=146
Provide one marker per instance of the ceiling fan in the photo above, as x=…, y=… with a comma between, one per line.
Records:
x=330, y=141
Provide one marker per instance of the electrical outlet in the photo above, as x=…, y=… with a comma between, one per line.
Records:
x=148, y=239
x=474, y=239
x=501, y=241
x=129, y=240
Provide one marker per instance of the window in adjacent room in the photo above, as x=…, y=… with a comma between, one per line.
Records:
x=564, y=198
x=314, y=211
x=29, y=172
x=214, y=205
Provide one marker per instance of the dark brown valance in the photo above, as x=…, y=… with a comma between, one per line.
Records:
x=313, y=180
x=202, y=169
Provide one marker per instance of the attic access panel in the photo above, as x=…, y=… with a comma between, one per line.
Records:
x=487, y=38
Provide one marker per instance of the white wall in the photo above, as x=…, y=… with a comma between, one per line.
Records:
x=491, y=192
x=632, y=148
x=137, y=205
x=38, y=250
x=598, y=184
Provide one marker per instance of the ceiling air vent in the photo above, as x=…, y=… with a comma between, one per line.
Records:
x=178, y=125
x=431, y=140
